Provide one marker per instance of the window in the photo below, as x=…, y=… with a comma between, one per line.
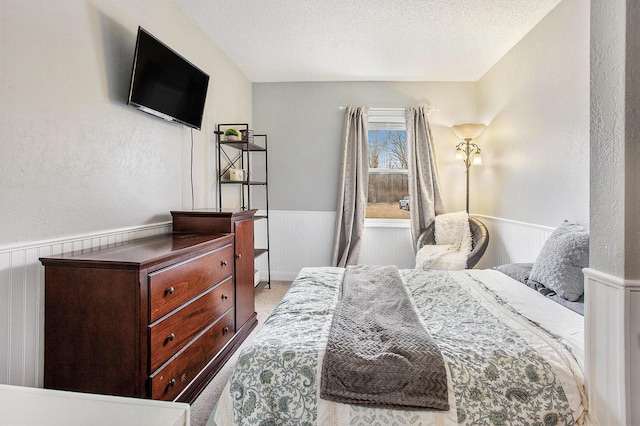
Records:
x=388, y=193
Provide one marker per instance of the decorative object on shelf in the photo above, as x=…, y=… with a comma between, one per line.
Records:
x=246, y=135
x=468, y=151
x=232, y=135
x=236, y=175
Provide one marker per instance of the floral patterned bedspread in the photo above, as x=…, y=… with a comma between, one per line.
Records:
x=502, y=368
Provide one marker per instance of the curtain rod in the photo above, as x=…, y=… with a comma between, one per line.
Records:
x=342, y=108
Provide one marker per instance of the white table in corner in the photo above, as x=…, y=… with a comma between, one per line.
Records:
x=33, y=406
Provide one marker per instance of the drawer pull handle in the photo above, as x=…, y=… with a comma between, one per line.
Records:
x=170, y=290
x=225, y=330
x=172, y=383
x=225, y=297
x=239, y=256
x=171, y=337
x=223, y=263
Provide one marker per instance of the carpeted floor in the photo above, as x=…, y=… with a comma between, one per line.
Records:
x=266, y=301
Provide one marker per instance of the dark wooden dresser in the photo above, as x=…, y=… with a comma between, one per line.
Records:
x=240, y=223
x=152, y=318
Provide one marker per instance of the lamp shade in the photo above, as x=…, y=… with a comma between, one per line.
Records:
x=468, y=130
x=477, y=159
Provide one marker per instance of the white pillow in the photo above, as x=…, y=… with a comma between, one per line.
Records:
x=453, y=229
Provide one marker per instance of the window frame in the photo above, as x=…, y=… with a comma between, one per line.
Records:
x=387, y=119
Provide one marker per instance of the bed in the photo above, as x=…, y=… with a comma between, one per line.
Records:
x=512, y=355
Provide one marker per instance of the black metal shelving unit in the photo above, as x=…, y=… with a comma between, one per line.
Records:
x=237, y=155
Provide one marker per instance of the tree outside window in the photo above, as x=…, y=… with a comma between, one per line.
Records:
x=388, y=180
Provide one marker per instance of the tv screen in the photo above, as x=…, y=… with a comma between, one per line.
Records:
x=165, y=84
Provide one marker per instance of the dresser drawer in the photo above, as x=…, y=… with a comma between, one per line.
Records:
x=173, y=377
x=174, y=331
x=175, y=285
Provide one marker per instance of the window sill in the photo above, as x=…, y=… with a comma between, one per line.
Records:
x=387, y=223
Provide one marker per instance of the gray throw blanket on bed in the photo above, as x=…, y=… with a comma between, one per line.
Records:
x=378, y=352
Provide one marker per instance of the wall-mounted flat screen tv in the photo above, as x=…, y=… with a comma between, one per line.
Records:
x=165, y=84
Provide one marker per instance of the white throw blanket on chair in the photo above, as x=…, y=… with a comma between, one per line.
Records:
x=453, y=243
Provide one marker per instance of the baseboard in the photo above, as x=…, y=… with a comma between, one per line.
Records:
x=283, y=276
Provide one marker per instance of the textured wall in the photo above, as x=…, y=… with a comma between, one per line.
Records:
x=613, y=286
x=535, y=101
x=632, y=159
x=304, y=126
x=608, y=32
x=75, y=158
x=615, y=131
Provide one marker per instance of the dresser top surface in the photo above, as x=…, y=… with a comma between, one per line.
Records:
x=214, y=212
x=143, y=252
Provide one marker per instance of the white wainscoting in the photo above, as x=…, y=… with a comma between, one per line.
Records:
x=304, y=238
x=387, y=243
x=612, y=348
x=22, y=297
x=511, y=241
x=297, y=239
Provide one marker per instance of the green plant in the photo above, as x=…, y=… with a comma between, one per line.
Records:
x=231, y=132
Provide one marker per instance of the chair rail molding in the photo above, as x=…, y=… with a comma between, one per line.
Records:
x=299, y=239
x=22, y=296
x=305, y=238
x=511, y=241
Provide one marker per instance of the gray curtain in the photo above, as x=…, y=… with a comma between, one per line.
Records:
x=424, y=188
x=353, y=187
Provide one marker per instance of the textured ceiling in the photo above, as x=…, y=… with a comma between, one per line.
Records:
x=365, y=40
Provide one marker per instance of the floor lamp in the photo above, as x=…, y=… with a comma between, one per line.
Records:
x=468, y=151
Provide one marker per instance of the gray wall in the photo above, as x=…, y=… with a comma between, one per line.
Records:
x=304, y=125
x=535, y=101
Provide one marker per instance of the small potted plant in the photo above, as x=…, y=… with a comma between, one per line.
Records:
x=232, y=135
